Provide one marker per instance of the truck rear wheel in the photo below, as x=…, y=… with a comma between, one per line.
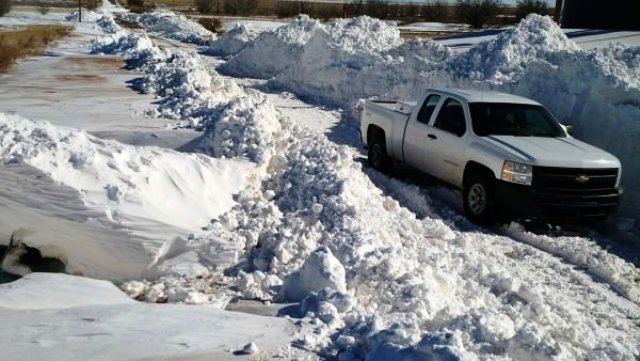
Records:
x=478, y=199
x=377, y=155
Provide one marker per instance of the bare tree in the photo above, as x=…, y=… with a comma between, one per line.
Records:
x=557, y=14
x=526, y=7
x=240, y=7
x=477, y=13
x=285, y=8
x=209, y=6
x=5, y=7
x=434, y=10
x=378, y=8
x=356, y=8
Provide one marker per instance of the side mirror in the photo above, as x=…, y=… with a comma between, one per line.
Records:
x=568, y=128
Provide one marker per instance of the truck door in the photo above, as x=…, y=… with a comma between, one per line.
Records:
x=417, y=128
x=444, y=148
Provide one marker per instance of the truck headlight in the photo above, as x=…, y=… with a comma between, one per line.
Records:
x=517, y=173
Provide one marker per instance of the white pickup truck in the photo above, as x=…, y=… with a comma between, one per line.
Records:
x=506, y=153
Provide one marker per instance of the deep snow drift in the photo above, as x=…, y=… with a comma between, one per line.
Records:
x=377, y=273
x=153, y=194
x=597, y=91
x=379, y=277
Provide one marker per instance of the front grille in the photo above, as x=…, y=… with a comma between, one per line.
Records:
x=574, y=180
x=575, y=192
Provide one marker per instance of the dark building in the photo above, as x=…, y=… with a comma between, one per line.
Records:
x=601, y=14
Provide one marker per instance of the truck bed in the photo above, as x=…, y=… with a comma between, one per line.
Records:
x=403, y=107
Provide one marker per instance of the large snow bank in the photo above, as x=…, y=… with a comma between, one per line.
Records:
x=596, y=91
x=381, y=283
x=170, y=25
x=283, y=46
x=377, y=281
x=152, y=193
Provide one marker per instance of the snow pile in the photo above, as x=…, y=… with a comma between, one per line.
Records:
x=88, y=16
x=274, y=50
x=376, y=282
x=504, y=59
x=170, y=25
x=188, y=90
x=119, y=41
x=596, y=91
x=320, y=270
x=246, y=128
x=337, y=63
x=233, y=41
x=153, y=193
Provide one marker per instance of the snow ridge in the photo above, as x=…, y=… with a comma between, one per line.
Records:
x=375, y=280
x=173, y=26
x=596, y=91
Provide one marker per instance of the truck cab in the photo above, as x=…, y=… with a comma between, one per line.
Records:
x=503, y=151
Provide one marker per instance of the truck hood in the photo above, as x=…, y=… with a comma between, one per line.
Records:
x=555, y=152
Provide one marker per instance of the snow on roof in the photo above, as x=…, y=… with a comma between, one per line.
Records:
x=478, y=96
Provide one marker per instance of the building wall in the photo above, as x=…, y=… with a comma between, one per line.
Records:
x=601, y=14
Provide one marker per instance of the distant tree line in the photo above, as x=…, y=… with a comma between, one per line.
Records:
x=477, y=13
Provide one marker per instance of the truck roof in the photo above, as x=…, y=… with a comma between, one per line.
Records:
x=481, y=96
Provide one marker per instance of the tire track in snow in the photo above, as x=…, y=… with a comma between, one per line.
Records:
x=580, y=252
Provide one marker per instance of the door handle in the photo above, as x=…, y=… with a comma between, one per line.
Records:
x=432, y=136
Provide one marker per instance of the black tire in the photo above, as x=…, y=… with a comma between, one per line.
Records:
x=478, y=198
x=377, y=154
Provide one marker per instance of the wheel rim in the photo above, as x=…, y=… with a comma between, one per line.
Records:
x=376, y=154
x=477, y=199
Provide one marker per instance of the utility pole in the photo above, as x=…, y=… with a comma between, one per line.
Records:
x=558, y=12
x=79, y=11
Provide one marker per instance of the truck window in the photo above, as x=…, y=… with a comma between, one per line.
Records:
x=520, y=120
x=424, y=115
x=451, y=118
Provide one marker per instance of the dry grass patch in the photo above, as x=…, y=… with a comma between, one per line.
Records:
x=27, y=41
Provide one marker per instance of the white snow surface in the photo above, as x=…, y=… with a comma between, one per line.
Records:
x=171, y=25
x=152, y=193
x=233, y=40
x=380, y=275
x=595, y=90
x=413, y=286
x=61, y=317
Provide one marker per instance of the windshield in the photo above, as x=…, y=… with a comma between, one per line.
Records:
x=520, y=120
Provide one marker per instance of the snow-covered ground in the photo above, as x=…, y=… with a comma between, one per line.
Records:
x=275, y=203
x=61, y=317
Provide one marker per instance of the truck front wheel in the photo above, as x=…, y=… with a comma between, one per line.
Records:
x=478, y=199
x=377, y=155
